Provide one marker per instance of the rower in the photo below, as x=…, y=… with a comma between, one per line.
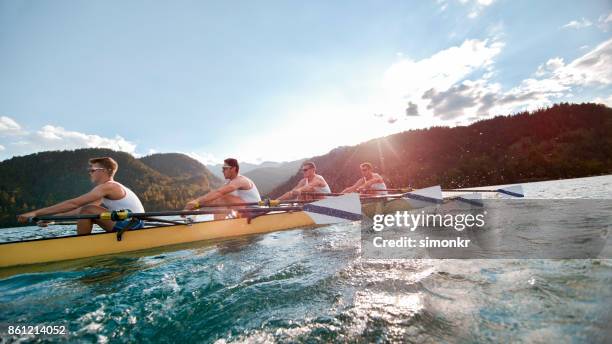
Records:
x=369, y=183
x=311, y=183
x=237, y=189
x=107, y=195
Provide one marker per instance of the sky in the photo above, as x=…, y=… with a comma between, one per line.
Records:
x=284, y=80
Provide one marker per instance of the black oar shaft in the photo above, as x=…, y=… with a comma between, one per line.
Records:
x=361, y=196
x=66, y=217
x=261, y=203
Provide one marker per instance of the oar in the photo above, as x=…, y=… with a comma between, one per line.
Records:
x=262, y=203
x=431, y=194
x=345, y=208
x=471, y=199
x=324, y=193
x=506, y=192
x=334, y=194
x=402, y=190
x=331, y=210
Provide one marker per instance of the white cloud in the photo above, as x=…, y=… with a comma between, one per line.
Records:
x=59, y=138
x=406, y=81
x=452, y=86
x=51, y=137
x=442, y=70
x=476, y=6
x=604, y=22
x=553, y=80
x=550, y=66
x=8, y=126
x=578, y=24
x=590, y=69
x=2, y=148
x=206, y=159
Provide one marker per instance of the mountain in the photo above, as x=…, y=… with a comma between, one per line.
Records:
x=178, y=166
x=245, y=167
x=162, y=181
x=271, y=175
x=563, y=141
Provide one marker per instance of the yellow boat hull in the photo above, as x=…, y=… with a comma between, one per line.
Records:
x=75, y=247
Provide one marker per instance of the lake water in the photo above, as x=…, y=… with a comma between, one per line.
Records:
x=312, y=285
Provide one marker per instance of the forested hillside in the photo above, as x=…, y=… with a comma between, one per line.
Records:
x=563, y=141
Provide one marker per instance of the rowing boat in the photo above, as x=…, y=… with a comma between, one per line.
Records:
x=328, y=211
x=331, y=210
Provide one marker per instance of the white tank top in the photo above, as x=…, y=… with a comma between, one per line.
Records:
x=129, y=201
x=321, y=189
x=247, y=196
x=377, y=186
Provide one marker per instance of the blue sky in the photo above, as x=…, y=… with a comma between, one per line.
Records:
x=284, y=80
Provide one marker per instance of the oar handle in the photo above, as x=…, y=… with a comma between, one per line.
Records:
x=64, y=217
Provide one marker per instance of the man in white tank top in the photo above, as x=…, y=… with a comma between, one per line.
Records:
x=106, y=195
x=311, y=183
x=237, y=189
x=369, y=183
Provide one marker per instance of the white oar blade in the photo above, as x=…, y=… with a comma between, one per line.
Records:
x=514, y=191
x=426, y=197
x=345, y=208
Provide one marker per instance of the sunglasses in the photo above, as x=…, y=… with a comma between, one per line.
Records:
x=92, y=170
x=226, y=167
x=306, y=169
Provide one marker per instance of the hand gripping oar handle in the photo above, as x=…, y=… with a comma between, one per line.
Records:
x=115, y=215
x=64, y=217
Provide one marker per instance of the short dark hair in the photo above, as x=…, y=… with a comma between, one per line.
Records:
x=108, y=163
x=311, y=164
x=233, y=163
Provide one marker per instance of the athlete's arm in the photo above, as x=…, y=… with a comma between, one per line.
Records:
x=293, y=192
x=354, y=187
x=93, y=196
x=375, y=180
x=211, y=196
